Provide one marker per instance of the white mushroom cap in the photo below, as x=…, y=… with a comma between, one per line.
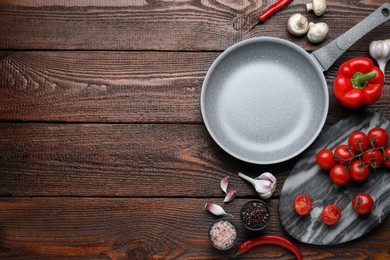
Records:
x=297, y=25
x=317, y=32
x=318, y=6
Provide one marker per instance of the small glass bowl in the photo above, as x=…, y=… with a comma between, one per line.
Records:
x=255, y=215
x=223, y=234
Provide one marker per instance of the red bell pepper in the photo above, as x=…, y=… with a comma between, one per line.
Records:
x=358, y=83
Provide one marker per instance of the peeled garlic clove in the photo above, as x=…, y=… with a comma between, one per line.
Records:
x=215, y=209
x=224, y=184
x=230, y=196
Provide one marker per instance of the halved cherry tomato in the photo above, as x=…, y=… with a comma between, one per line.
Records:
x=358, y=141
x=331, y=214
x=372, y=158
x=359, y=171
x=362, y=203
x=343, y=154
x=325, y=159
x=302, y=204
x=386, y=157
x=378, y=137
x=339, y=174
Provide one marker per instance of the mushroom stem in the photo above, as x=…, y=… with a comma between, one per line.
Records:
x=309, y=7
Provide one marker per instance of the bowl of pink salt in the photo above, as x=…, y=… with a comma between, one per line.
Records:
x=223, y=234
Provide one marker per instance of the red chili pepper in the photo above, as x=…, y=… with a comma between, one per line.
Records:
x=269, y=240
x=358, y=83
x=273, y=9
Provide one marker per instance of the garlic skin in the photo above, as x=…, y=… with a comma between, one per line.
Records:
x=265, y=184
x=380, y=51
x=297, y=25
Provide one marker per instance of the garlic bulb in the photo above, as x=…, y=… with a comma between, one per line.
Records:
x=380, y=51
x=265, y=184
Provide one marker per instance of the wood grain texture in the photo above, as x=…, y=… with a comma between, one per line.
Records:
x=134, y=228
x=119, y=160
x=148, y=25
x=150, y=87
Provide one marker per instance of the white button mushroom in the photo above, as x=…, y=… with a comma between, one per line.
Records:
x=317, y=32
x=318, y=6
x=297, y=25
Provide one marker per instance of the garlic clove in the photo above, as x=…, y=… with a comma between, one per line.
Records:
x=230, y=196
x=264, y=185
x=216, y=209
x=224, y=184
x=380, y=51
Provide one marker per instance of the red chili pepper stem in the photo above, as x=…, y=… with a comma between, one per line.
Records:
x=360, y=80
x=273, y=9
x=269, y=240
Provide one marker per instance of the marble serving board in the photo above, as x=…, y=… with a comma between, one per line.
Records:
x=306, y=177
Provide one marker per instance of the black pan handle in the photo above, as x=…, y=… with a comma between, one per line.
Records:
x=328, y=54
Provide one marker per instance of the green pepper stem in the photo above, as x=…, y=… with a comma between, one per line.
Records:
x=359, y=80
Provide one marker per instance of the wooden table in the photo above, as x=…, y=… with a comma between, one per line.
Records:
x=103, y=151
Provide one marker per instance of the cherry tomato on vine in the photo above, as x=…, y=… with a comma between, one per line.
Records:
x=362, y=203
x=302, y=204
x=359, y=171
x=378, y=137
x=331, y=214
x=325, y=159
x=372, y=158
x=386, y=157
x=339, y=174
x=358, y=141
x=343, y=154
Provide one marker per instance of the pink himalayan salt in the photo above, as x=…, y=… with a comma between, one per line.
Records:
x=223, y=234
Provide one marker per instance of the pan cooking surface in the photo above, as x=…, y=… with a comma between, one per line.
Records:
x=264, y=100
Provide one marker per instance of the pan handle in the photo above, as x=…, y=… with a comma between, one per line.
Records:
x=328, y=54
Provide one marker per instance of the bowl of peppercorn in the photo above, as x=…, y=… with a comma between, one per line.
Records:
x=255, y=215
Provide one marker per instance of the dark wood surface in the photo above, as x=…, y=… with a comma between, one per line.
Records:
x=103, y=152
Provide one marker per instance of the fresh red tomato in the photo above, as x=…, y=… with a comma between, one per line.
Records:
x=331, y=214
x=386, y=157
x=343, y=154
x=358, y=141
x=302, y=204
x=359, y=171
x=372, y=158
x=325, y=159
x=378, y=137
x=362, y=203
x=339, y=175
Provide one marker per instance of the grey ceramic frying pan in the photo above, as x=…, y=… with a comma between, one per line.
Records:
x=265, y=100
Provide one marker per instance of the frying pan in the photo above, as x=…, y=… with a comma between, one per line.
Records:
x=265, y=100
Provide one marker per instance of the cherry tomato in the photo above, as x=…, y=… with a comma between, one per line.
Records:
x=372, y=158
x=362, y=203
x=378, y=137
x=339, y=175
x=343, y=154
x=386, y=157
x=302, y=204
x=331, y=214
x=325, y=159
x=358, y=141
x=359, y=171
